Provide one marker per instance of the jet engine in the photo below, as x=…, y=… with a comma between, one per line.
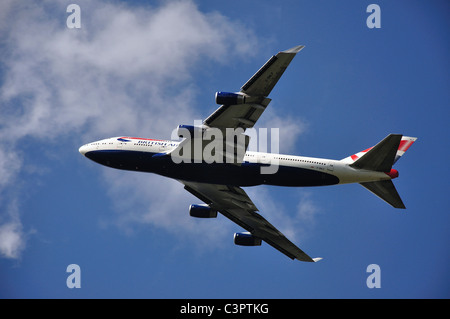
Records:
x=202, y=211
x=246, y=239
x=230, y=98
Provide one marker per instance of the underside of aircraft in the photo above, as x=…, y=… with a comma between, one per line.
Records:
x=215, y=170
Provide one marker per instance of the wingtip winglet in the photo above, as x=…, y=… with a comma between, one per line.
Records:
x=317, y=259
x=295, y=49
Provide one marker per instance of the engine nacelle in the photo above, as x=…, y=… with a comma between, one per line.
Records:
x=202, y=211
x=191, y=130
x=230, y=98
x=246, y=239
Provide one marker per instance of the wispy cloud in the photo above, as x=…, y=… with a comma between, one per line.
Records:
x=122, y=65
x=12, y=237
x=290, y=127
x=295, y=222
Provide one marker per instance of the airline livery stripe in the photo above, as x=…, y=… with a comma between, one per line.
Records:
x=138, y=138
x=404, y=145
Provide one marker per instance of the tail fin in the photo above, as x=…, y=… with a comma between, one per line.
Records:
x=405, y=144
x=380, y=158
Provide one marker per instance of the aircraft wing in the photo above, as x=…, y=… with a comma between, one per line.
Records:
x=234, y=203
x=255, y=91
x=240, y=110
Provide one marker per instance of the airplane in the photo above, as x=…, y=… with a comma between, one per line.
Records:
x=218, y=183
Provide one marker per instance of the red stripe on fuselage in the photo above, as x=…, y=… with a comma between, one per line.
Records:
x=139, y=138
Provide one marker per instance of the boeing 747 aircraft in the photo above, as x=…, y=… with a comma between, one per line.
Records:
x=216, y=174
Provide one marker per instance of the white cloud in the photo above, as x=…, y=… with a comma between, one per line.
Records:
x=123, y=72
x=290, y=128
x=12, y=238
x=122, y=59
x=11, y=235
x=306, y=208
x=10, y=163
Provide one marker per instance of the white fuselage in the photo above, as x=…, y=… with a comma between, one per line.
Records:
x=149, y=155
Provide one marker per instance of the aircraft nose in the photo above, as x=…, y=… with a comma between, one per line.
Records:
x=83, y=149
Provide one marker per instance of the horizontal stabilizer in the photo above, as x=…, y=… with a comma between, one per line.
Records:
x=386, y=191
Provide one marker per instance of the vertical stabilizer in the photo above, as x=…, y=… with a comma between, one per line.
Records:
x=381, y=157
x=405, y=144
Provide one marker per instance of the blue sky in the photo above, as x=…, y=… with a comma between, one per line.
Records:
x=142, y=68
